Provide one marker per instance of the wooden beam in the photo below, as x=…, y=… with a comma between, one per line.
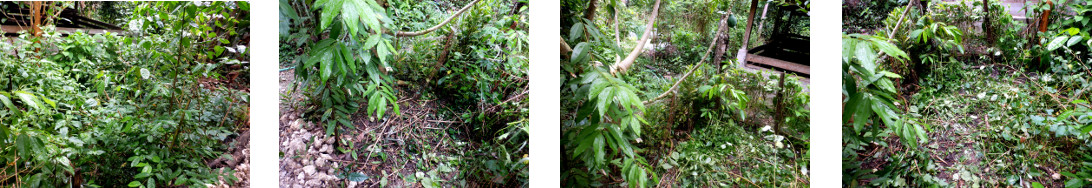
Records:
x=755, y=58
x=747, y=32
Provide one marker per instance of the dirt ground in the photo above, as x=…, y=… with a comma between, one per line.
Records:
x=396, y=151
x=239, y=161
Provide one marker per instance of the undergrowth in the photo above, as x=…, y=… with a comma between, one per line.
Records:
x=136, y=109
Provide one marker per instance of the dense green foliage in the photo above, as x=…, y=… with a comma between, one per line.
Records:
x=986, y=105
x=350, y=55
x=134, y=109
x=707, y=132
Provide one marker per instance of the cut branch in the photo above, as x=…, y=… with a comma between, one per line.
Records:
x=675, y=86
x=626, y=63
x=433, y=28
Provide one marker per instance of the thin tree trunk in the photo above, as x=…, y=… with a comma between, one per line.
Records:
x=617, y=35
x=986, y=22
x=721, y=39
x=626, y=63
x=779, y=105
x=589, y=13
x=443, y=55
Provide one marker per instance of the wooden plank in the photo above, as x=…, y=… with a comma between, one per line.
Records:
x=755, y=58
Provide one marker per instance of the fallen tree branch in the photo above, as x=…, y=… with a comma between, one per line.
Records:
x=433, y=28
x=625, y=64
x=675, y=86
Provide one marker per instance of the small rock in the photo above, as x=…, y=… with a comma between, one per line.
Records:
x=320, y=161
x=1056, y=176
x=352, y=184
x=330, y=140
x=326, y=149
x=337, y=165
x=299, y=177
x=309, y=169
x=296, y=147
x=314, y=183
x=306, y=136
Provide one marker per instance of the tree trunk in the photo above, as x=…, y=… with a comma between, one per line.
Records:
x=779, y=103
x=986, y=29
x=589, y=13
x=443, y=55
x=721, y=38
x=626, y=63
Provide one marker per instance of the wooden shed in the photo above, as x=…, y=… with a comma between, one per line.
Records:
x=784, y=50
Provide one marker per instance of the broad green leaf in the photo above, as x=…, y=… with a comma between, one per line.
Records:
x=134, y=184
x=1072, y=31
x=1056, y=43
x=382, y=52
x=50, y=102
x=326, y=65
x=22, y=144
x=579, y=53
x=372, y=41
x=357, y=177
x=218, y=50
x=576, y=31
x=1073, y=40
x=29, y=99
x=890, y=74
x=7, y=102
x=866, y=57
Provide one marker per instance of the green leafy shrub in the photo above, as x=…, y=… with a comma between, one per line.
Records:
x=92, y=108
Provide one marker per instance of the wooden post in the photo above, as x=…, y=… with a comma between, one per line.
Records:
x=779, y=105
x=986, y=22
x=742, y=54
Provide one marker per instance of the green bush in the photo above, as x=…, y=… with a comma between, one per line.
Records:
x=121, y=110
